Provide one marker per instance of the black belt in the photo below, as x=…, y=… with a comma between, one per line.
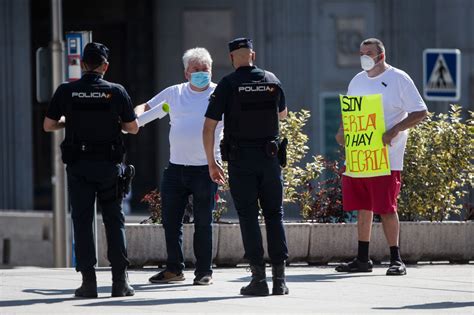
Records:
x=252, y=143
x=96, y=148
x=188, y=166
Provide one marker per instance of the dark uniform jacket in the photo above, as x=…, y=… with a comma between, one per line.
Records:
x=94, y=109
x=250, y=100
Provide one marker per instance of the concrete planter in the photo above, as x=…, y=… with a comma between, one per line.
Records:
x=330, y=242
x=298, y=241
x=437, y=241
x=146, y=244
x=26, y=239
x=230, y=250
x=314, y=243
x=188, y=236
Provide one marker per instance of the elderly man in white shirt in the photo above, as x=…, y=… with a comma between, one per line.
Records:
x=187, y=173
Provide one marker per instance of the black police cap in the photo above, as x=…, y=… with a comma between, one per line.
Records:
x=240, y=43
x=95, y=53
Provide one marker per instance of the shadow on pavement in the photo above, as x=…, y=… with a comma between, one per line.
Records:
x=143, y=302
x=316, y=277
x=12, y=303
x=429, y=306
x=69, y=293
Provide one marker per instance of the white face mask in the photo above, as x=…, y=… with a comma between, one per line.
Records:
x=367, y=63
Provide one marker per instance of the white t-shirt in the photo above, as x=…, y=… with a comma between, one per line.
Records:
x=400, y=97
x=187, y=109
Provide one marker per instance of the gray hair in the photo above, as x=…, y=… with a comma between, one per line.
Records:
x=199, y=54
x=377, y=42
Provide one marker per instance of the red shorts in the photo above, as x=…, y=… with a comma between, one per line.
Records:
x=378, y=194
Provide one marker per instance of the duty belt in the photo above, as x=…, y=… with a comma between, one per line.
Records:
x=252, y=143
x=96, y=148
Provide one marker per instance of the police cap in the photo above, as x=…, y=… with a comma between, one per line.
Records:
x=240, y=43
x=95, y=53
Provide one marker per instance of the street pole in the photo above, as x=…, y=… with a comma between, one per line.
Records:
x=60, y=202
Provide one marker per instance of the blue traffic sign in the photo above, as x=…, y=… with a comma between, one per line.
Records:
x=442, y=74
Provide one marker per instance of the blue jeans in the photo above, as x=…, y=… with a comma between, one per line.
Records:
x=179, y=182
x=255, y=181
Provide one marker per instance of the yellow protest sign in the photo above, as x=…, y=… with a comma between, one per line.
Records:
x=364, y=125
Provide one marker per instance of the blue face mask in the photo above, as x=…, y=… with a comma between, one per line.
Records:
x=200, y=79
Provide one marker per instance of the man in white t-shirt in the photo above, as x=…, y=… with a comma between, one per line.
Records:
x=188, y=173
x=403, y=109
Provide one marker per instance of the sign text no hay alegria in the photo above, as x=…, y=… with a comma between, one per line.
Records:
x=364, y=126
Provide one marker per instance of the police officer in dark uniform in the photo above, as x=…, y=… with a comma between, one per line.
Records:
x=252, y=102
x=95, y=112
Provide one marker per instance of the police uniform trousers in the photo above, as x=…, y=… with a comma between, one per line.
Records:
x=255, y=182
x=86, y=181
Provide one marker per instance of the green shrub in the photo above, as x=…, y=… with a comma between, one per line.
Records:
x=299, y=180
x=438, y=167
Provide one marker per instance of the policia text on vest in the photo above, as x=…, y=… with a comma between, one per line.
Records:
x=255, y=103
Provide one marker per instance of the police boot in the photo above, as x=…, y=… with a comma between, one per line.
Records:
x=120, y=285
x=278, y=277
x=88, y=289
x=258, y=286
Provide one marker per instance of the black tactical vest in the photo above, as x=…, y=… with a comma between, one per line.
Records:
x=254, y=111
x=93, y=129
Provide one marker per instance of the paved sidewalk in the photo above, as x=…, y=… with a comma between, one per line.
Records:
x=427, y=289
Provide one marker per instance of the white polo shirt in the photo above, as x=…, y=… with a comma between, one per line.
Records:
x=187, y=109
x=400, y=97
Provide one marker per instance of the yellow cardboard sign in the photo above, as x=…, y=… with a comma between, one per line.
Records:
x=364, y=125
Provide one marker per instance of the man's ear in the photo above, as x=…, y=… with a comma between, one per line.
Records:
x=83, y=66
x=381, y=56
x=253, y=55
x=105, y=67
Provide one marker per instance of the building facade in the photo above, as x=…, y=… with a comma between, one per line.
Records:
x=311, y=45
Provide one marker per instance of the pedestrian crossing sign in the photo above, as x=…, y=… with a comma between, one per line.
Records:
x=442, y=74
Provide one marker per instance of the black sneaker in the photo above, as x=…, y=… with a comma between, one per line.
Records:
x=166, y=276
x=355, y=266
x=396, y=268
x=203, y=280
